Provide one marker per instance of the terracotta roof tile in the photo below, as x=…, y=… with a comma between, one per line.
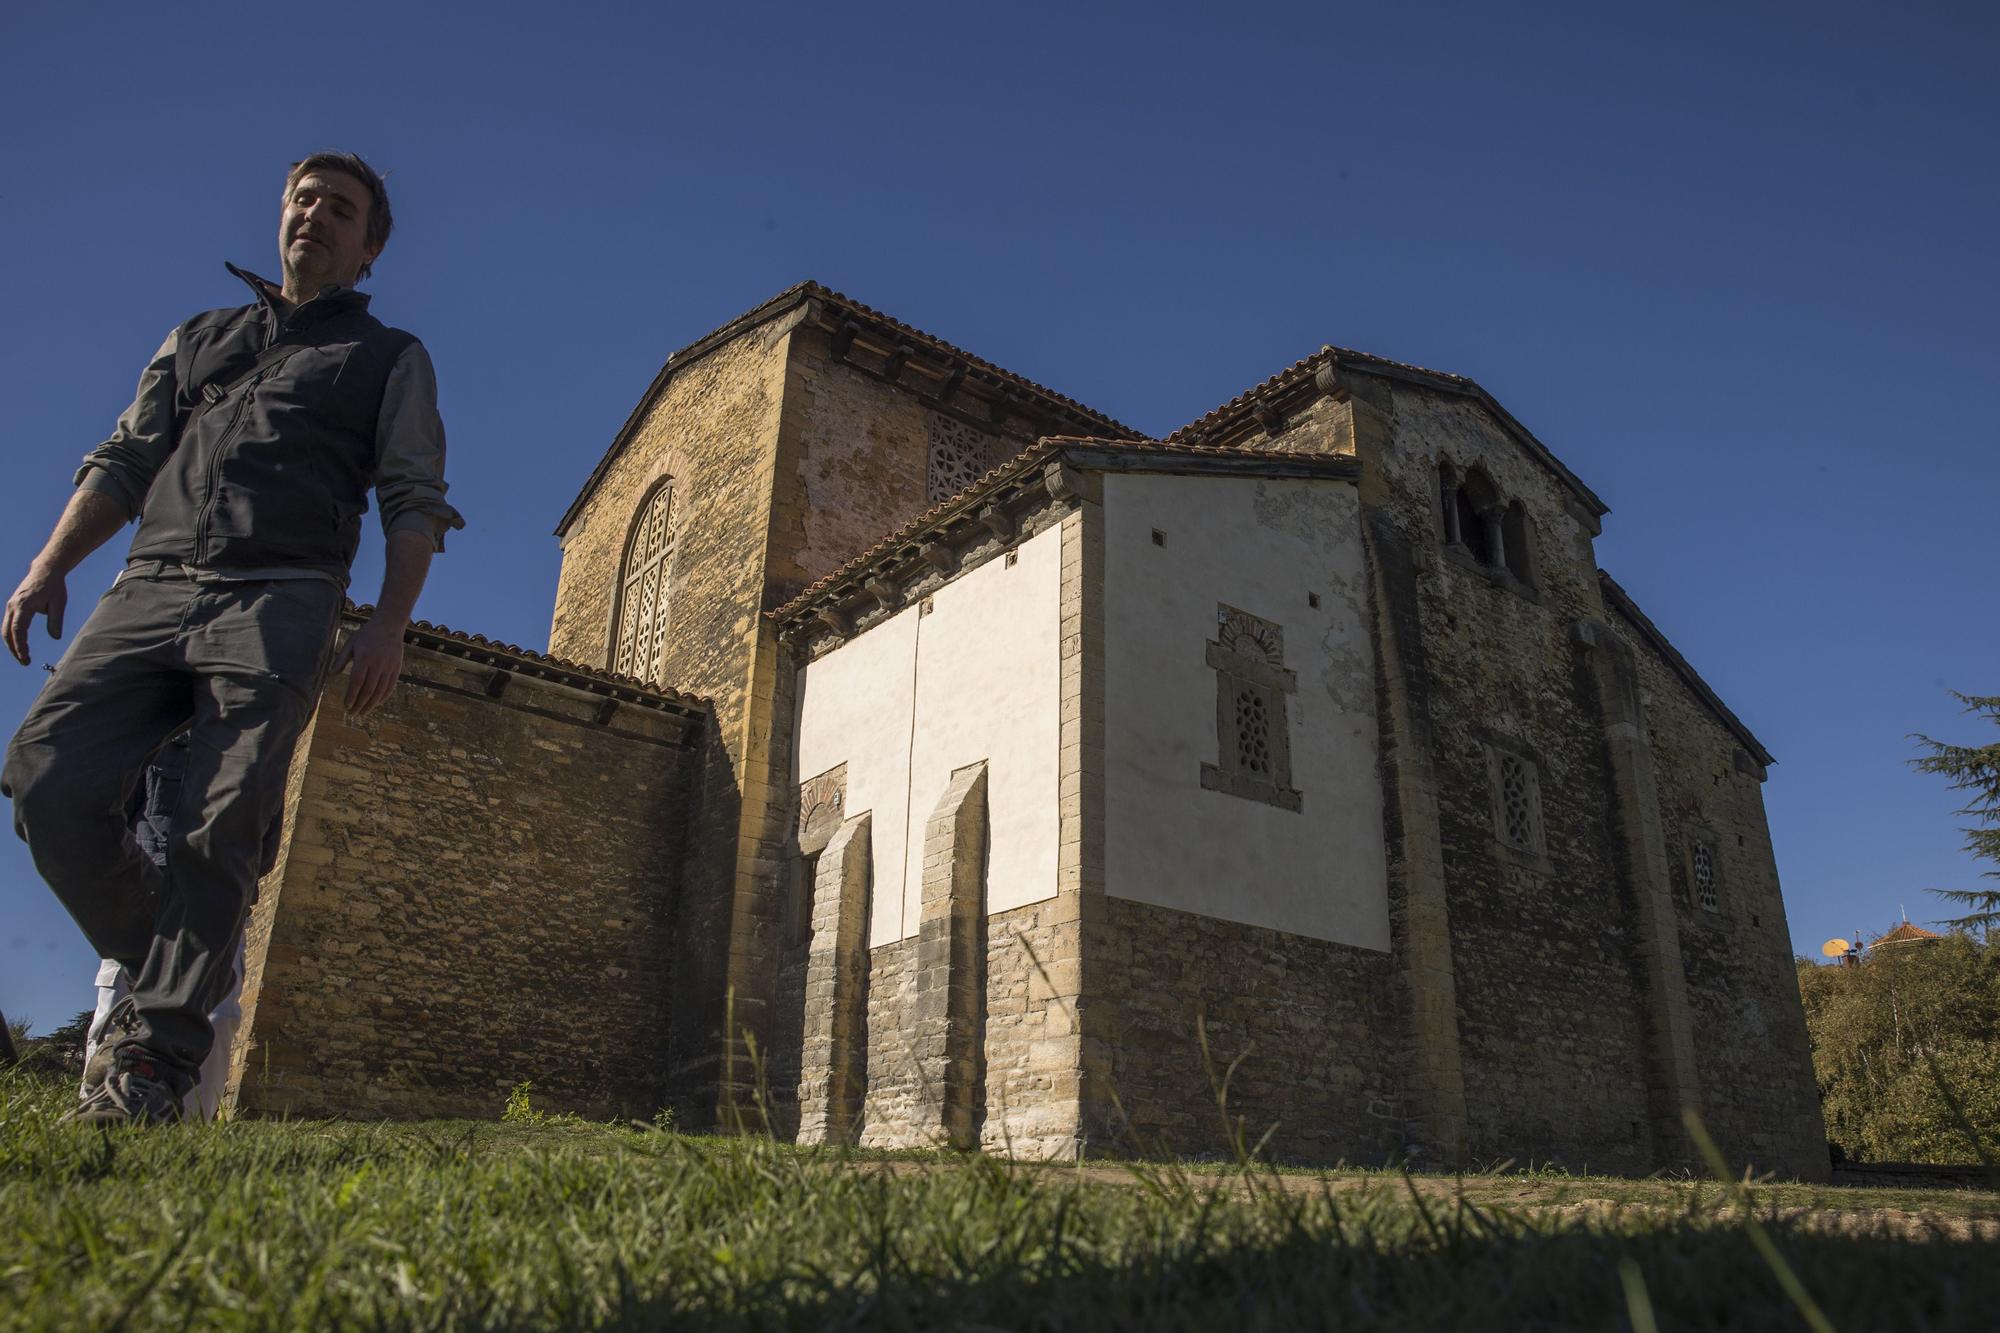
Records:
x=421, y=629
x=1908, y=934
x=1121, y=430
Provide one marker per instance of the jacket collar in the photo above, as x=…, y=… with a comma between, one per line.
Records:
x=331, y=299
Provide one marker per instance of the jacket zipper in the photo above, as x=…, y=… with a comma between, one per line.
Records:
x=274, y=327
x=208, y=468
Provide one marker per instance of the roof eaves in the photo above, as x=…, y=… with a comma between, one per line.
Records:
x=1622, y=602
x=1087, y=453
x=790, y=299
x=1345, y=358
x=526, y=661
x=999, y=376
x=783, y=302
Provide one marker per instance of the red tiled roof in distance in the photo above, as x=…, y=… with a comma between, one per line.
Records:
x=1907, y=934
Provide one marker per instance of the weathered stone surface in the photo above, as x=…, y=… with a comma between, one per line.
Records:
x=474, y=892
x=468, y=879
x=1219, y=1034
x=833, y=1068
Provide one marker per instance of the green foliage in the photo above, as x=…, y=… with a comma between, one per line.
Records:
x=269, y=1225
x=520, y=1109
x=1976, y=770
x=1877, y=1030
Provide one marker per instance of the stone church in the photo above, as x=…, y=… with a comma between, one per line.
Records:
x=921, y=757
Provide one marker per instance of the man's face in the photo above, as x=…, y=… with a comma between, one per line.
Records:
x=323, y=229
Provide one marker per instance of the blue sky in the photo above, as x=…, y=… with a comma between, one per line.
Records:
x=1733, y=263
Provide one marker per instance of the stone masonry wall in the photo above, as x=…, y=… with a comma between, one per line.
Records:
x=713, y=430
x=856, y=460
x=473, y=891
x=890, y=1106
x=1759, y=1097
x=1308, y=1026
x=1031, y=1081
x=1551, y=1018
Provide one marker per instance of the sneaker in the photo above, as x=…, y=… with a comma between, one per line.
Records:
x=98, y=1068
x=133, y=1093
x=105, y=1054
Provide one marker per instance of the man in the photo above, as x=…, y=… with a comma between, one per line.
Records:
x=246, y=456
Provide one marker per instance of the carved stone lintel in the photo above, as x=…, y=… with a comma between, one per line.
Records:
x=605, y=708
x=884, y=592
x=997, y=522
x=843, y=339
x=940, y=557
x=1327, y=380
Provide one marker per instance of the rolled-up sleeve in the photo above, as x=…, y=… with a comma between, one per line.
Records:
x=409, y=476
x=124, y=466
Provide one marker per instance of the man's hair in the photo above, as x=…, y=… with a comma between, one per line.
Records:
x=380, y=220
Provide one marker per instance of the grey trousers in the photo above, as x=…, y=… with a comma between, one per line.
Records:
x=236, y=665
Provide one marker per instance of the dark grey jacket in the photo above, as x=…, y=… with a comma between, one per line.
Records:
x=258, y=431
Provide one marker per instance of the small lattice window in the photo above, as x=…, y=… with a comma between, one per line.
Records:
x=1517, y=800
x=1706, y=889
x=959, y=456
x=1253, y=734
x=1253, y=748
x=642, y=595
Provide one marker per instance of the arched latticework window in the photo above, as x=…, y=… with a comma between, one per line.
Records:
x=642, y=588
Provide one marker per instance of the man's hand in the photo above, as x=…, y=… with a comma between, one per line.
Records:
x=373, y=658
x=87, y=522
x=375, y=651
x=43, y=593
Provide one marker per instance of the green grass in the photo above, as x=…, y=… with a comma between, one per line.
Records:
x=316, y=1225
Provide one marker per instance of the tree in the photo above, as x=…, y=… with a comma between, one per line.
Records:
x=1974, y=769
x=1885, y=1034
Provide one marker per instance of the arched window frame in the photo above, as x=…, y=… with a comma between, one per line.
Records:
x=1479, y=513
x=1517, y=533
x=639, y=617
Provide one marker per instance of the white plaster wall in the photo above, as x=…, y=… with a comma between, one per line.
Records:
x=855, y=708
x=1261, y=546
x=924, y=693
